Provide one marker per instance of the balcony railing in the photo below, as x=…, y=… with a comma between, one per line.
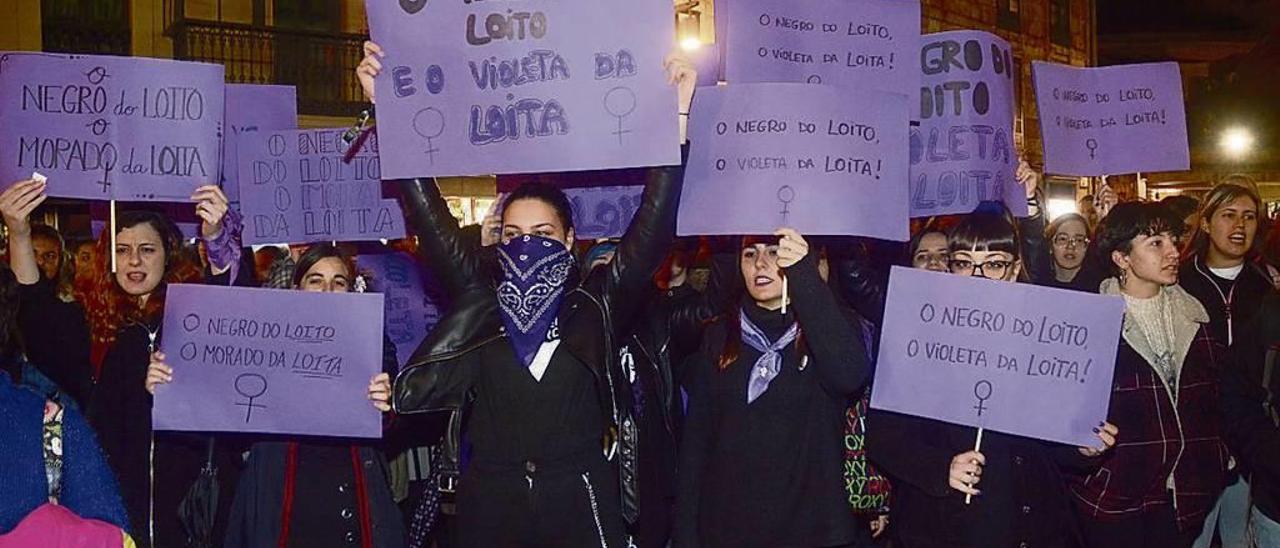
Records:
x=321, y=65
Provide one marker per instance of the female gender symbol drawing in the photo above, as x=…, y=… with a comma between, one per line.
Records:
x=982, y=391
x=1092, y=145
x=251, y=386
x=429, y=124
x=786, y=195
x=620, y=102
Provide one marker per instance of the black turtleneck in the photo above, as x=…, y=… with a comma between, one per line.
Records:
x=770, y=473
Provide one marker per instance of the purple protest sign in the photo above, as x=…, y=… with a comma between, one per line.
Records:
x=603, y=212
x=845, y=43
x=1109, y=120
x=270, y=361
x=472, y=89
x=102, y=128
x=1014, y=358
x=295, y=187
x=813, y=157
x=411, y=310
x=963, y=152
x=252, y=108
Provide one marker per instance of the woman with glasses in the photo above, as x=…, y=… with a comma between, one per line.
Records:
x=1156, y=488
x=1068, y=237
x=1017, y=490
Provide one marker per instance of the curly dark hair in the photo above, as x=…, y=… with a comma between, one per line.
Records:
x=1127, y=221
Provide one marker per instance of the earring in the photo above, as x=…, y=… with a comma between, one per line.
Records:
x=1124, y=277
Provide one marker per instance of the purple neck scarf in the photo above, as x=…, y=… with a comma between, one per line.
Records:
x=536, y=275
x=769, y=363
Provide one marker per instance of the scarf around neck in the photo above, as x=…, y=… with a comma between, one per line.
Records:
x=536, y=273
x=769, y=364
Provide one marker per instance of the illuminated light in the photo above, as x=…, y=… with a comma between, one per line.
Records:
x=691, y=44
x=1060, y=206
x=1237, y=142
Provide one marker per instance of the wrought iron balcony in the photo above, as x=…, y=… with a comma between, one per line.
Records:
x=321, y=65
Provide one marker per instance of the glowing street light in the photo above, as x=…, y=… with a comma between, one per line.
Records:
x=691, y=43
x=1236, y=142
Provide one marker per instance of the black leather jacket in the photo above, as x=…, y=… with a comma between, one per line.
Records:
x=593, y=317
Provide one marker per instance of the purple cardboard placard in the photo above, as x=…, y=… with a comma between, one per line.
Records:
x=295, y=187
x=250, y=108
x=1110, y=120
x=411, y=309
x=603, y=212
x=1014, y=358
x=102, y=128
x=822, y=160
x=845, y=43
x=270, y=361
x=539, y=85
x=963, y=151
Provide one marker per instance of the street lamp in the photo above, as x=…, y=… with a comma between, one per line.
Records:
x=1236, y=142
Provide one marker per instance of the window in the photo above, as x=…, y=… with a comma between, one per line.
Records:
x=1060, y=22
x=1008, y=14
x=85, y=26
x=317, y=15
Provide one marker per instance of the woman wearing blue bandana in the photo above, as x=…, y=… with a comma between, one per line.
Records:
x=762, y=459
x=526, y=360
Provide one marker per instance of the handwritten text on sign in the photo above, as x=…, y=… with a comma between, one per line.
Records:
x=1108, y=120
x=963, y=152
x=812, y=157
x=270, y=361
x=296, y=187
x=846, y=43
x=605, y=211
x=1014, y=358
x=523, y=86
x=253, y=108
x=106, y=128
x=412, y=307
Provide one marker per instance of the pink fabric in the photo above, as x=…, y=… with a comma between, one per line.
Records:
x=53, y=526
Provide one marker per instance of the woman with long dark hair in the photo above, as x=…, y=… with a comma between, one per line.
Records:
x=762, y=458
x=315, y=492
x=123, y=314
x=530, y=360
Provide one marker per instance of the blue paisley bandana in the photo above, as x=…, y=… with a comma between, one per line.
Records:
x=536, y=275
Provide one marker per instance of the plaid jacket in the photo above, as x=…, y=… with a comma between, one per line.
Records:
x=1158, y=438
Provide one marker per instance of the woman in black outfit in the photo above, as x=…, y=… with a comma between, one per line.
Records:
x=124, y=316
x=761, y=462
x=1018, y=495
x=531, y=362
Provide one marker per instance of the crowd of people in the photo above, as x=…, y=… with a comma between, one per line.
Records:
x=586, y=394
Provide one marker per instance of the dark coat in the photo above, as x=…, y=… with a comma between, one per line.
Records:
x=1250, y=430
x=770, y=472
x=593, y=318
x=1231, y=309
x=1162, y=436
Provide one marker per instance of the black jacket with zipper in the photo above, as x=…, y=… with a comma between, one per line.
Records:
x=593, y=317
x=1231, y=304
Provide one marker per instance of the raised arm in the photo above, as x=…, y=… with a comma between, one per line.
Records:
x=441, y=244
x=16, y=204
x=833, y=335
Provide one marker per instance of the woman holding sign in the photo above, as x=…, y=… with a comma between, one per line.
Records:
x=123, y=315
x=1005, y=493
x=530, y=358
x=761, y=462
x=314, y=493
x=1158, y=485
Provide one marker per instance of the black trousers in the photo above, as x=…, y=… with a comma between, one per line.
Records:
x=566, y=505
x=1155, y=528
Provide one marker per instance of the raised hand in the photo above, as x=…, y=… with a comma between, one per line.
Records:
x=369, y=68
x=212, y=207
x=966, y=472
x=380, y=392
x=792, y=247
x=17, y=203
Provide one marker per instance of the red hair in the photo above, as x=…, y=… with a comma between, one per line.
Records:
x=108, y=308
